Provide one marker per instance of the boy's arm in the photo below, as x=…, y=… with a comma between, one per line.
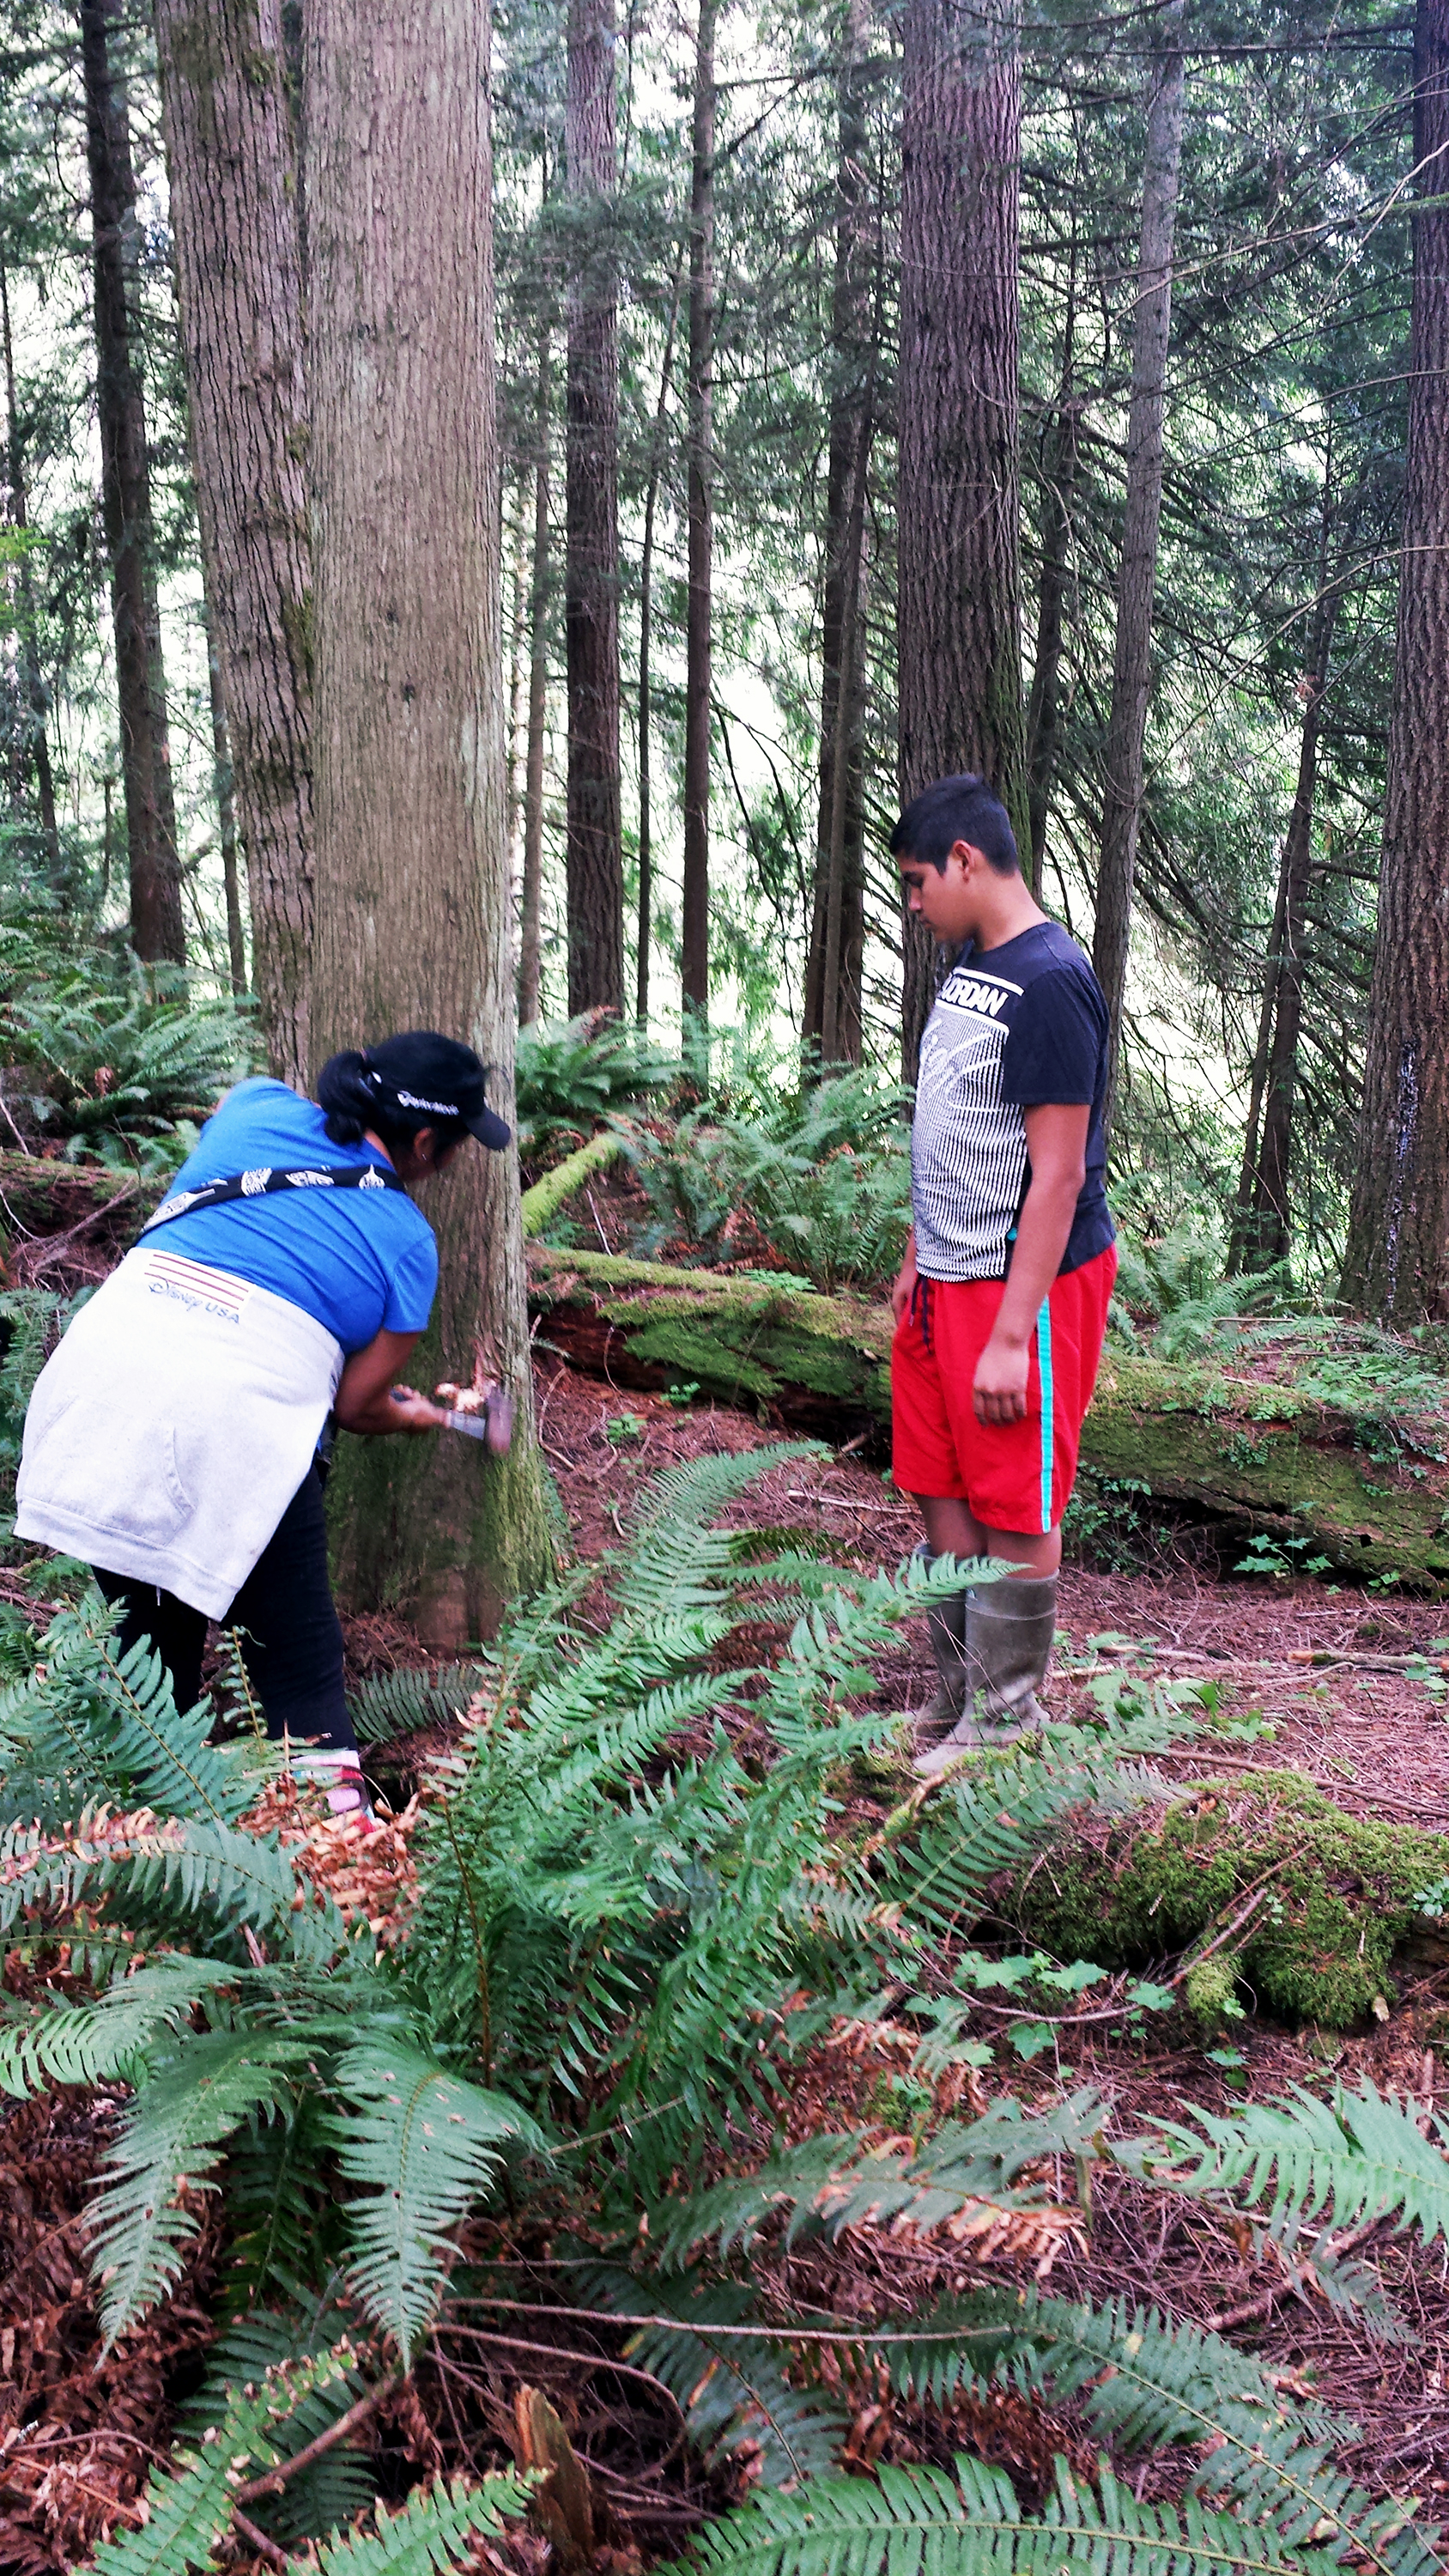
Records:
x=1056, y=1143
x=904, y=1288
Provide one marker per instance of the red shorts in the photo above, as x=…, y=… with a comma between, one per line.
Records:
x=1011, y=1475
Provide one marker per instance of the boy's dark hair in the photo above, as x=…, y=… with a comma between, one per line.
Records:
x=952, y=810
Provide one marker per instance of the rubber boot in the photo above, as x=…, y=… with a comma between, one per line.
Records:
x=946, y=1624
x=1008, y=1641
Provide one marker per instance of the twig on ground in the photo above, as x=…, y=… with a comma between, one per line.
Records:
x=276, y=2479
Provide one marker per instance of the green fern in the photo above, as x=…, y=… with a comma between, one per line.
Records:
x=334, y=2489
x=427, y=2144
x=437, y=2529
x=189, y=2509
x=925, y=2522
x=402, y=1703
x=1356, y=2157
x=731, y=2389
x=89, y=2043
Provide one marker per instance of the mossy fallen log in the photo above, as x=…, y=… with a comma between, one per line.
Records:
x=1245, y=1454
x=541, y=1202
x=1314, y=1903
x=43, y=1198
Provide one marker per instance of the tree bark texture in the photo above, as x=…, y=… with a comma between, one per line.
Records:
x=1132, y=655
x=234, y=203
x=530, y=901
x=594, y=863
x=34, y=744
x=1397, y=1264
x=699, y=618
x=224, y=780
x=155, y=876
x=412, y=865
x=959, y=578
x=1059, y=469
x=840, y=837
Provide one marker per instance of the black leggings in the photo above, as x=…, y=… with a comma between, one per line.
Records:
x=291, y=1635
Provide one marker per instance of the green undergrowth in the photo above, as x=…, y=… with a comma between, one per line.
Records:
x=1326, y=1898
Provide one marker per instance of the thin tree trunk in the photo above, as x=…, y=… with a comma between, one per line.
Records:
x=697, y=683
x=157, y=929
x=37, y=742
x=530, y=902
x=835, y=1038
x=842, y=642
x=412, y=865
x=225, y=783
x=959, y=577
x=232, y=160
x=594, y=862
x=1397, y=1264
x=1262, y=1222
x=1132, y=658
x=646, y=616
x=1059, y=486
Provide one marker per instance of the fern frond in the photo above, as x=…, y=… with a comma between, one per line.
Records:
x=731, y=2389
x=172, y=2135
x=925, y=2522
x=435, y=2530
x=429, y=2145
x=86, y=2043
x=1358, y=2156
x=401, y=1703
x=334, y=2488
x=189, y=2514
x=168, y=1871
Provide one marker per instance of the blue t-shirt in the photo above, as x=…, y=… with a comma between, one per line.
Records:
x=361, y=1262
x=1014, y=1027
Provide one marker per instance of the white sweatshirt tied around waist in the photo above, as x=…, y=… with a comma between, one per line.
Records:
x=171, y=1428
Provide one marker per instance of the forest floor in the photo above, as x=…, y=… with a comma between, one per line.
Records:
x=1326, y=1669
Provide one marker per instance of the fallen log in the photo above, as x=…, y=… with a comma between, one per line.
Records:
x=1240, y=1452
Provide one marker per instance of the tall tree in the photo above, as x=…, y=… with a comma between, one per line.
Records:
x=594, y=864
x=658, y=444
x=1397, y=1262
x=959, y=649
x=530, y=898
x=34, y=745
x=232, y=164
x=698, y=681
x=412, y=869
x=832, y=1018
x=155, y=874
x=1061, y=449
x=1137, y=575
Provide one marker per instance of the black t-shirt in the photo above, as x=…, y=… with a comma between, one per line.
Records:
x=1014, y=1027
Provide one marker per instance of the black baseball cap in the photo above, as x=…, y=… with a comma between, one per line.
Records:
x=430, y=1076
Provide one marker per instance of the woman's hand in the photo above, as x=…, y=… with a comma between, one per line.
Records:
x=368, y=1398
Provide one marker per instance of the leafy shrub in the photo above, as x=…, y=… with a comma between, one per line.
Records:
x=120, y=1058
x=571, y=1074
x=626, y=1938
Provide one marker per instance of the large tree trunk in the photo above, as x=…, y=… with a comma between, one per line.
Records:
x=156, y=923
x=595, y=856
x=834, y=964
x=234, y=206
x=412, y=867
x=697, y=684
x=35, y=744
x=959, y=580
x=646, y=619
x=1132, y=657
x=1058, y=497
x=1397, y=1265
x=530, y=900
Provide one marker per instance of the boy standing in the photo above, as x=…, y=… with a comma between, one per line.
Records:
x=1001, y=1302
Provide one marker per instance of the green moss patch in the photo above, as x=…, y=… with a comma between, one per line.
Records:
x=1326, y=1899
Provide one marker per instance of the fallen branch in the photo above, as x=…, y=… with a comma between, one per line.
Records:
x=277, y=2478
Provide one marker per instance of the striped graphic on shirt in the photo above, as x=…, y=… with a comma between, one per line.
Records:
x=968, y=1145
x=1048, y=1410
x=172, y=1273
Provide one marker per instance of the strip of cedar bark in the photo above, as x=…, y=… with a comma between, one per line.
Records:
x=412, y=911
x=1132, y=656
x=594, y=869
x=233, y=174
x=1255, y=1456
x=157, y=931
x=1397, y=1267
x=695, y=893
x=959, y=614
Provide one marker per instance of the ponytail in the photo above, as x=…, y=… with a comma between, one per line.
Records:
x=348, y=1094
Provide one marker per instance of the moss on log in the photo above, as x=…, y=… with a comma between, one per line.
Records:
x=42, y=1197
x=1322, y=1900
x=1252, y=1455
x=541, y=1203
